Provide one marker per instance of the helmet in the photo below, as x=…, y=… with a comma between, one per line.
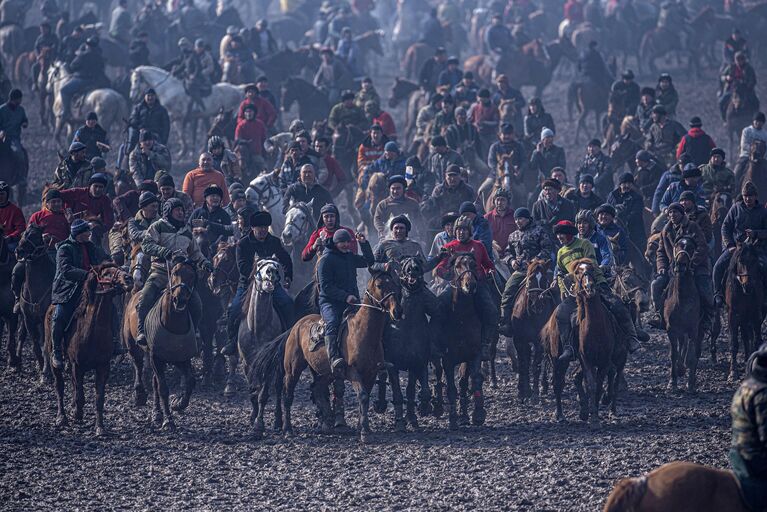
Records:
x=215, y=142
x=463, y=222
x=503, y=193
x=184, y=43
x=4, y=187
x=585, y=216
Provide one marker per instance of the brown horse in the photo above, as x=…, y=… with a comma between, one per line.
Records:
x=632, y=288
x=88, y=340
x=285, y=358
x=681, y=313
x=415, y=57
x=756, y=168
x=588, y=98
x=533, y=306
x=678, y=486
x=7, y=316
x=223, y=284
x=744, y=295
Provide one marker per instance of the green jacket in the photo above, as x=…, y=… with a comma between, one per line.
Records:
x=353, y=116
x=578, y=248
x=717, y=179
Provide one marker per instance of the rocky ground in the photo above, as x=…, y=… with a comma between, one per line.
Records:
x=520, y=460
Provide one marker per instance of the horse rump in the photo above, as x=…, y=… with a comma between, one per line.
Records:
x=626, y=495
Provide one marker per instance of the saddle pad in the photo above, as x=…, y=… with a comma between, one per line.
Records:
x=317, y=331
x=166, y=345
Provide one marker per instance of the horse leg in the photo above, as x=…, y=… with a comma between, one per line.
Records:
x=438, y=405
x=479, y=414
x=363, y=399
x=424, y=395
x=674, y=361
x=397, y=400
x=592, y=378
x=319, y=389
x=733, y=375
x=181, y=403
x=463, y=393
x=452, y=393
x=379, y=404
x=583, y=399
x=537, y=358
x=716, y=328
x=78, y=387
x=61, y=416
x=612, y=389
x=162, y=387
x=157, y=415
x=290, y=382
x=692, y=362
x=523, y=366
x=410, y=416
x=230, y=389
x=338, y=403
x=140, y=395
x=102, y=375
x=558, y=384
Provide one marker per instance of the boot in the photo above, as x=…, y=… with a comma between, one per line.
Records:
x=141, y=336
x=568, y=353
x=633, y=344
x=57, y=355
x=337, y=363
x=504, y=328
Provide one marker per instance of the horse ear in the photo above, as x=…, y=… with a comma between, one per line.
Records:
x=310, y=204
x=614, y=238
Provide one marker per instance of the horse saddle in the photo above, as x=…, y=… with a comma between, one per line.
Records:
x=317, y=330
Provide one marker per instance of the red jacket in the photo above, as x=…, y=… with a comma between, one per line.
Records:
x=265, y=111
x=501, y=226
x=252, y=131
x=368, y=153
x=484, y=118
x=574, y=12
x=308, y=253
x=80, y=200
x=54, y=224
x=336, y=176
x=12, y=221
x=387, y=124
x=695, y=133
x=484, y=265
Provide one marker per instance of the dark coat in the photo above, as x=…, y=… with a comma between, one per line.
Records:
x=298, y=192
x=248, y=248
x=547, y=216
x=739, y=219
x=67, y=283
x=219, y=224
x=337, y=273
x=630, y=210
x=154, y=119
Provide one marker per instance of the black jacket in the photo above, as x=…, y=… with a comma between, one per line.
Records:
x=153, y=119
x=298, y=192
x=88, y=65
x=67, y=283
x=219, y=224
x=337, y=273
x=89, y=137
x=248, y=248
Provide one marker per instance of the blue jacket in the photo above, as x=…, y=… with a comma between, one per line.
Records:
x=671, y=176
x=388, y=167
x=482, y=232
x=621, y=254
x=602, y=248
x=337, y=273
x=739, y=219
x=675, y=191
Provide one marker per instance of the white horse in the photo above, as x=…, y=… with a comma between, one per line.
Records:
x=299, y=224
x=171, y=93
x=108, y=104
x=264, y=193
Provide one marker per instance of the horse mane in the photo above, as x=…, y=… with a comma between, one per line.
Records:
x=549, y=336
x=88, y=298
x=576, y=263
x=535, y=265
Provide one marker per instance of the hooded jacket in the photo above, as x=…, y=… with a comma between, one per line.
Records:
x=309, y=251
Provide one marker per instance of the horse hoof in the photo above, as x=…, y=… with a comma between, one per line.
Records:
x=478, y=417
x=438, y=410
x=364, y=438
x=289, y=433
x=584, y=415
x=157, y=419
x=412, y=420
x=61, y=421
x=379, y=406
x=399, y=426
x=326, y=428
x=559, y=417
x=178, y=404
x=732, y=377
x=101, y=432
x=425, y=409
x=463, y=420
x=453, y=424
x=169, y=425
x=140, y=398
x=230, y=390
x=594, y=422
x=256, y=435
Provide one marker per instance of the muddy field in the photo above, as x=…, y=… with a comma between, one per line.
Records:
x=520, y=460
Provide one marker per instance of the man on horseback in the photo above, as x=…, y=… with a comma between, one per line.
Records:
x=94, y=136
x=628, y=208
x=748, y=454
x=256, y=244
x=13, y=118
x=574, y=249
x=213, y=218
x=167, y=188
x=87, y=74
x=584, y=197
x=552, y=208
x=196, y=80
x=747, y=218
x=716, y=177
x=678, y=227
x=46, y=49
x=75, y=257
x=664, y=135
x=529, y=241
x=605, y=215
x=149, y=157
x=165, y=240
x=148, y=115
x=697, y=214
x=696, y=143
x=224, y=159
x=590, y=230
x=337, y=280
x=307, y=190
x=12, y=223
x=628, y=91
x=592, y=67
x=498, y=38
x=738, y=74
x=328, y=223
x=397, y=203
x=596, y=164
x=75, y=170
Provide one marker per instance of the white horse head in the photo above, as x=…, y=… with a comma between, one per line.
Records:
x=265, y=194
x=267, y=275
x=146, y=77
x=298, y=223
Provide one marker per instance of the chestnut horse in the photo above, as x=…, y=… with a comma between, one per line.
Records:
x=678, y=486
x=533, y=306
x=88, y=340
x=223, y=284
x=756, y=168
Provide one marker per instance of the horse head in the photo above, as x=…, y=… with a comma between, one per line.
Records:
x=266, y=274
x=384, y=292
x=683, y=250
x=298, y=222
x=757, y=150
x=720, y=205
x=109, y=279
x=465, y=271
x=183, y=279
x=264, y=192
x=31, y=244
x=401, y=90
x=537, y=281
x=225, y=272
x=411, y=272
x=631, y=288
x=745, y=266
x=584, y=273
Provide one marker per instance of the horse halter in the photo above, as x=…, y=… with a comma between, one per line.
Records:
x=182, y=285
x=105, y=286
x=260, y=280
x=306, y=219
x=268, y=195
x=229, y=280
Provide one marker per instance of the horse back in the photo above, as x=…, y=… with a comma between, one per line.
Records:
x=463, y=331
x=688, y=487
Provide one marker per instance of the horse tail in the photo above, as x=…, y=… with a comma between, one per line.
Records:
x=627, y=495
x=550, y=336
x=267, y=368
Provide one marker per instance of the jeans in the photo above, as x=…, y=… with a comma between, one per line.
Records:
x=332, y=313
x=69, y=90
x=282, y=302
x=510, y=292
x=62, y=314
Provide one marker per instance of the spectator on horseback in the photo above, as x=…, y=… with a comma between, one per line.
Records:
x=643, y=113
x=498, y=38
x=696, y=143
x=371, y=149
x=589, y=229
x=126, y=205
x=390, y=251
x=332, y=76
x=451, y=75
x=308, y=191
x=13, y=118
x=552, y=208
x=425, y=117
x=447, y=235
x=213, y=218
x=348, y=51
x=390, y=163
x=346, y=113
x=12, y=223
x=664, y=135
x=584, y=197
x=262, y=84
x=138, y=50
x=94, y=136
x=483, y=298
x=573, y=12
x=291, y=167
x=428, y=76
x=733, y=45
x=448, y=195
x=87, y=73
x=191, y=70
x=46, y=52
x=463, y=136
x=336, y=178
x=536, y=119
x=747, y=218
x=167, y=240
x=697, y=214
x=739, y=74
x=148, y=115
x=592, y=67
x=629, y=209
x=224, y=160
x=628, y=91
x=337, y=281
x=75, y=170
x=480, y=227
x=148, y=158
x=121, y=23
x=691, y=180
x=572, y=249
x=666, y=95
x=530, y=240
x=597, y=164
x=501, y=220
x=375, y=115
x=678, y=227
x=92, y=203
x=262, y=39
x=547, y=155
x=167, y=188
x=394, y=205
x=252, y=132
x=619, y=238
x=444, y=118
x=75, y=257
x=465, y=91
x=328, y=223
x=366, y=93
x=750, y=134
x=508, y=152
x=440, y=158
x=72, y=43
x=198, y=179
x=647, y=163
x=716, y=177
x=265, y=111
x=432, y=32
x=149, y=207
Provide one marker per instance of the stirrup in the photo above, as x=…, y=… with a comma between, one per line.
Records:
x=338, y=366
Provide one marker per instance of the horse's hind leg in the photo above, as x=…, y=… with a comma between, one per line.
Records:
x=102, y=375
x=379, y=404
x=410, y=416
x=716, y=328
x=397, y=400
x=157, y=415
x=181, y=403
x=479, y=414
x=139, y=390
x=338, y=403
x=287, y=400
x=674, y=355
x=61, y=416
x=163, y=392
x=452, y=395
x=424, y=394
x=537, y=359
x=230, y=389
x=692, y=363
x=438, y=404
x=321, y=398
x=583, y=400
x=733, y=375
x=78, y=376
x=363, y=399
x=523, y=365
x=464, y=371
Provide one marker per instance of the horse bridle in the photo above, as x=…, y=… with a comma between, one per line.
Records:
x=228, y=280
x=273, y=193
x=306, y=222
x=626, y=292
x=261, y=264
x=37, y=250
x=182, y=285
x=107, y=285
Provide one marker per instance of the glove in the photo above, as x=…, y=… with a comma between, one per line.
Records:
x=137, y=278
x=166, y=253
x=206, y=265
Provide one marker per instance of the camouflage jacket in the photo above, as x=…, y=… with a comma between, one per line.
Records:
x=533, y=242
x=749, y=425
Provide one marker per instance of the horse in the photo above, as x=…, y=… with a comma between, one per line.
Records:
x=744, y=296
x=108, y=104
x=537, y=64
x=681, y=313
x=313, y=104
x=740, y=111
x=223, y=283
x=224, y=125
x=35, y=297
x=264, y=192
x=623, y=150
x=285, y=358
x=407, y=347
x=532, y=308
x=411, y=93
x=299, y=224
x=756, y=167
x=659, y=41
x=11, y=43
x=678, y=486
x=7, y=316
x=588, y=97
x=172, y=94
x=415, y=57
x=631, y=288
x=88, y=340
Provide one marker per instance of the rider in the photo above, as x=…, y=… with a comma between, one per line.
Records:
x=328, y=223
x=666, y=95
x=75, y=170
x=678, y=227
x=149, y=206
x=150, y=116
x=167, y=239
x=94, y=136
x=307, y=190
x=748, y=454
x=592, y=67
x=483, y=298
x=500, y=219
x=530, y=241
x=149, y=157
x=337, y=281
x=605, y=215
x=584, y=197
x=697, y=214
x=198, y=179
x=391, y=251
x=664, y=135
x=346, y=113
x=196, y=82
x=397, y=203
x=265, y=111
x=588, y=229
x=212, y=217
x=573, y=249
x=46, y=48
x=498, y=38
x=224, y=160
x=716, y=176
x=12, y=223
x=87, y=73
x=696, y=143
x=332, y=76
x=167, y=189
x=552, y=208
x=13, y=118
x=629, y=90
x=259, y=243
x=734, y=44
x=597, y=164
x=629, y=207
x=747, y=218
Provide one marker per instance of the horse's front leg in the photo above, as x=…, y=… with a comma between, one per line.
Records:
x=139, y=391
x=102, y=375
x=363, y=400
x=452, y=395
x=338, y=403
x=78, y=375
x=438, y=404
x=397, y=400
x=424, y=395
x=464, y=371
x=61, y=416
x=523, y=367
x=479, y=414
x=734, y=373
x=182, y=402
x=163, y=392
x=230, y=389
x=379, y=404
x=674, y=355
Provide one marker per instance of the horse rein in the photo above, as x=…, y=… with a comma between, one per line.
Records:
x=265, y=202
x=378, y=303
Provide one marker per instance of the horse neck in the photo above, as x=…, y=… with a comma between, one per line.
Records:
x=96, y=316
x=40, y=272
x=592, y=317
x=171, y=318
x=366, y=330
x=261, y=312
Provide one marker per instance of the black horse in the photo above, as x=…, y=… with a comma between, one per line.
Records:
x=313, y=104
